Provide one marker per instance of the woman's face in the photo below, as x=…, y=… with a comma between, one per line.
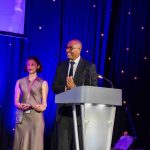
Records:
x=32, y=66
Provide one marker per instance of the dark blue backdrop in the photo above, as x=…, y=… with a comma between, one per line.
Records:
x=115, y=36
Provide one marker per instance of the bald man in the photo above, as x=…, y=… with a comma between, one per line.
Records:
x=71, y=73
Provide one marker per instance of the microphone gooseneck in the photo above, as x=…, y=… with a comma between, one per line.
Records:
x=102, y=77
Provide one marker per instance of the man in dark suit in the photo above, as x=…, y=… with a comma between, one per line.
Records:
x=71, y=73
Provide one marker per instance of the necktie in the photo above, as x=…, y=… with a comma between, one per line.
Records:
x=71, y=68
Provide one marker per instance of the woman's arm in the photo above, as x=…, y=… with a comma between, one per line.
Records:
x=44, y=94
x=43, y=105
x=17, y=97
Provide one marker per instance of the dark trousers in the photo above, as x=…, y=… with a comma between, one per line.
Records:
x=64, y=134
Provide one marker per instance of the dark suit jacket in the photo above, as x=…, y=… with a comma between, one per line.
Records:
x=85, y=75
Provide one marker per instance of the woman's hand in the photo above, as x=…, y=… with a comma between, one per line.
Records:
x=24, y=106
x=39, y=107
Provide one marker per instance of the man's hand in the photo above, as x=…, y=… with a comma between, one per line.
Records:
x=70, y=83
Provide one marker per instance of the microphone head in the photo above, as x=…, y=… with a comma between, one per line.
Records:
x=100, y=76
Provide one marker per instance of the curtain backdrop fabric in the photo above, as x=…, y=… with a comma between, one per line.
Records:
x=115, y=36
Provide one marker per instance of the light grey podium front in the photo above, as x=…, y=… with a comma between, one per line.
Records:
x=98, y=113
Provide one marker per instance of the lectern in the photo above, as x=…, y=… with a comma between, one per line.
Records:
x=98, y=106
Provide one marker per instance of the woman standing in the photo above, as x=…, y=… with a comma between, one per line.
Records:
x=31, y=100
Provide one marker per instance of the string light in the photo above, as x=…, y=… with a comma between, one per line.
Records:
x=124, y=102
x=40, y=27
x=129, y=13
x=87, y=51
x=135, y=78
x=109, y=58
x=127, y=49
x=142, y=28
x=145, y=58
x=10, y=44
x=102, y=34
x=122, y=71
x=94, y=6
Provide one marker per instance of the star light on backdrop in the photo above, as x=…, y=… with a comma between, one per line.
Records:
x=122, y=71
x=135, y=78
x=102, y=34
x=129, y=13
x=142, y=28
x=40, y=27
x=127, y=49
x=109, y=58
x=124, y=102
x=94, y=6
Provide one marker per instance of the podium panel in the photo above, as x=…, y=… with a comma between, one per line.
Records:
x=98, y=107
x=90, y=94
x=99, y=121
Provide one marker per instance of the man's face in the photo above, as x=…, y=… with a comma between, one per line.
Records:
x=73, y=50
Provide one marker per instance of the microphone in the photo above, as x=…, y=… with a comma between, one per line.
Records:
x=90, y=79
x=102, y=77
x=86, y=77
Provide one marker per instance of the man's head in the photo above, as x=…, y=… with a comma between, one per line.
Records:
x=73, y=49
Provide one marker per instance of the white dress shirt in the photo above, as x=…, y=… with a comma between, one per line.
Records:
x=74, y=66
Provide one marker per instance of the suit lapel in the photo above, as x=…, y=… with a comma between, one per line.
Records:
x=65, y=69
x=79, y=69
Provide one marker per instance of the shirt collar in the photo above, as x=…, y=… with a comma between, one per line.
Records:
x=76, y=60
